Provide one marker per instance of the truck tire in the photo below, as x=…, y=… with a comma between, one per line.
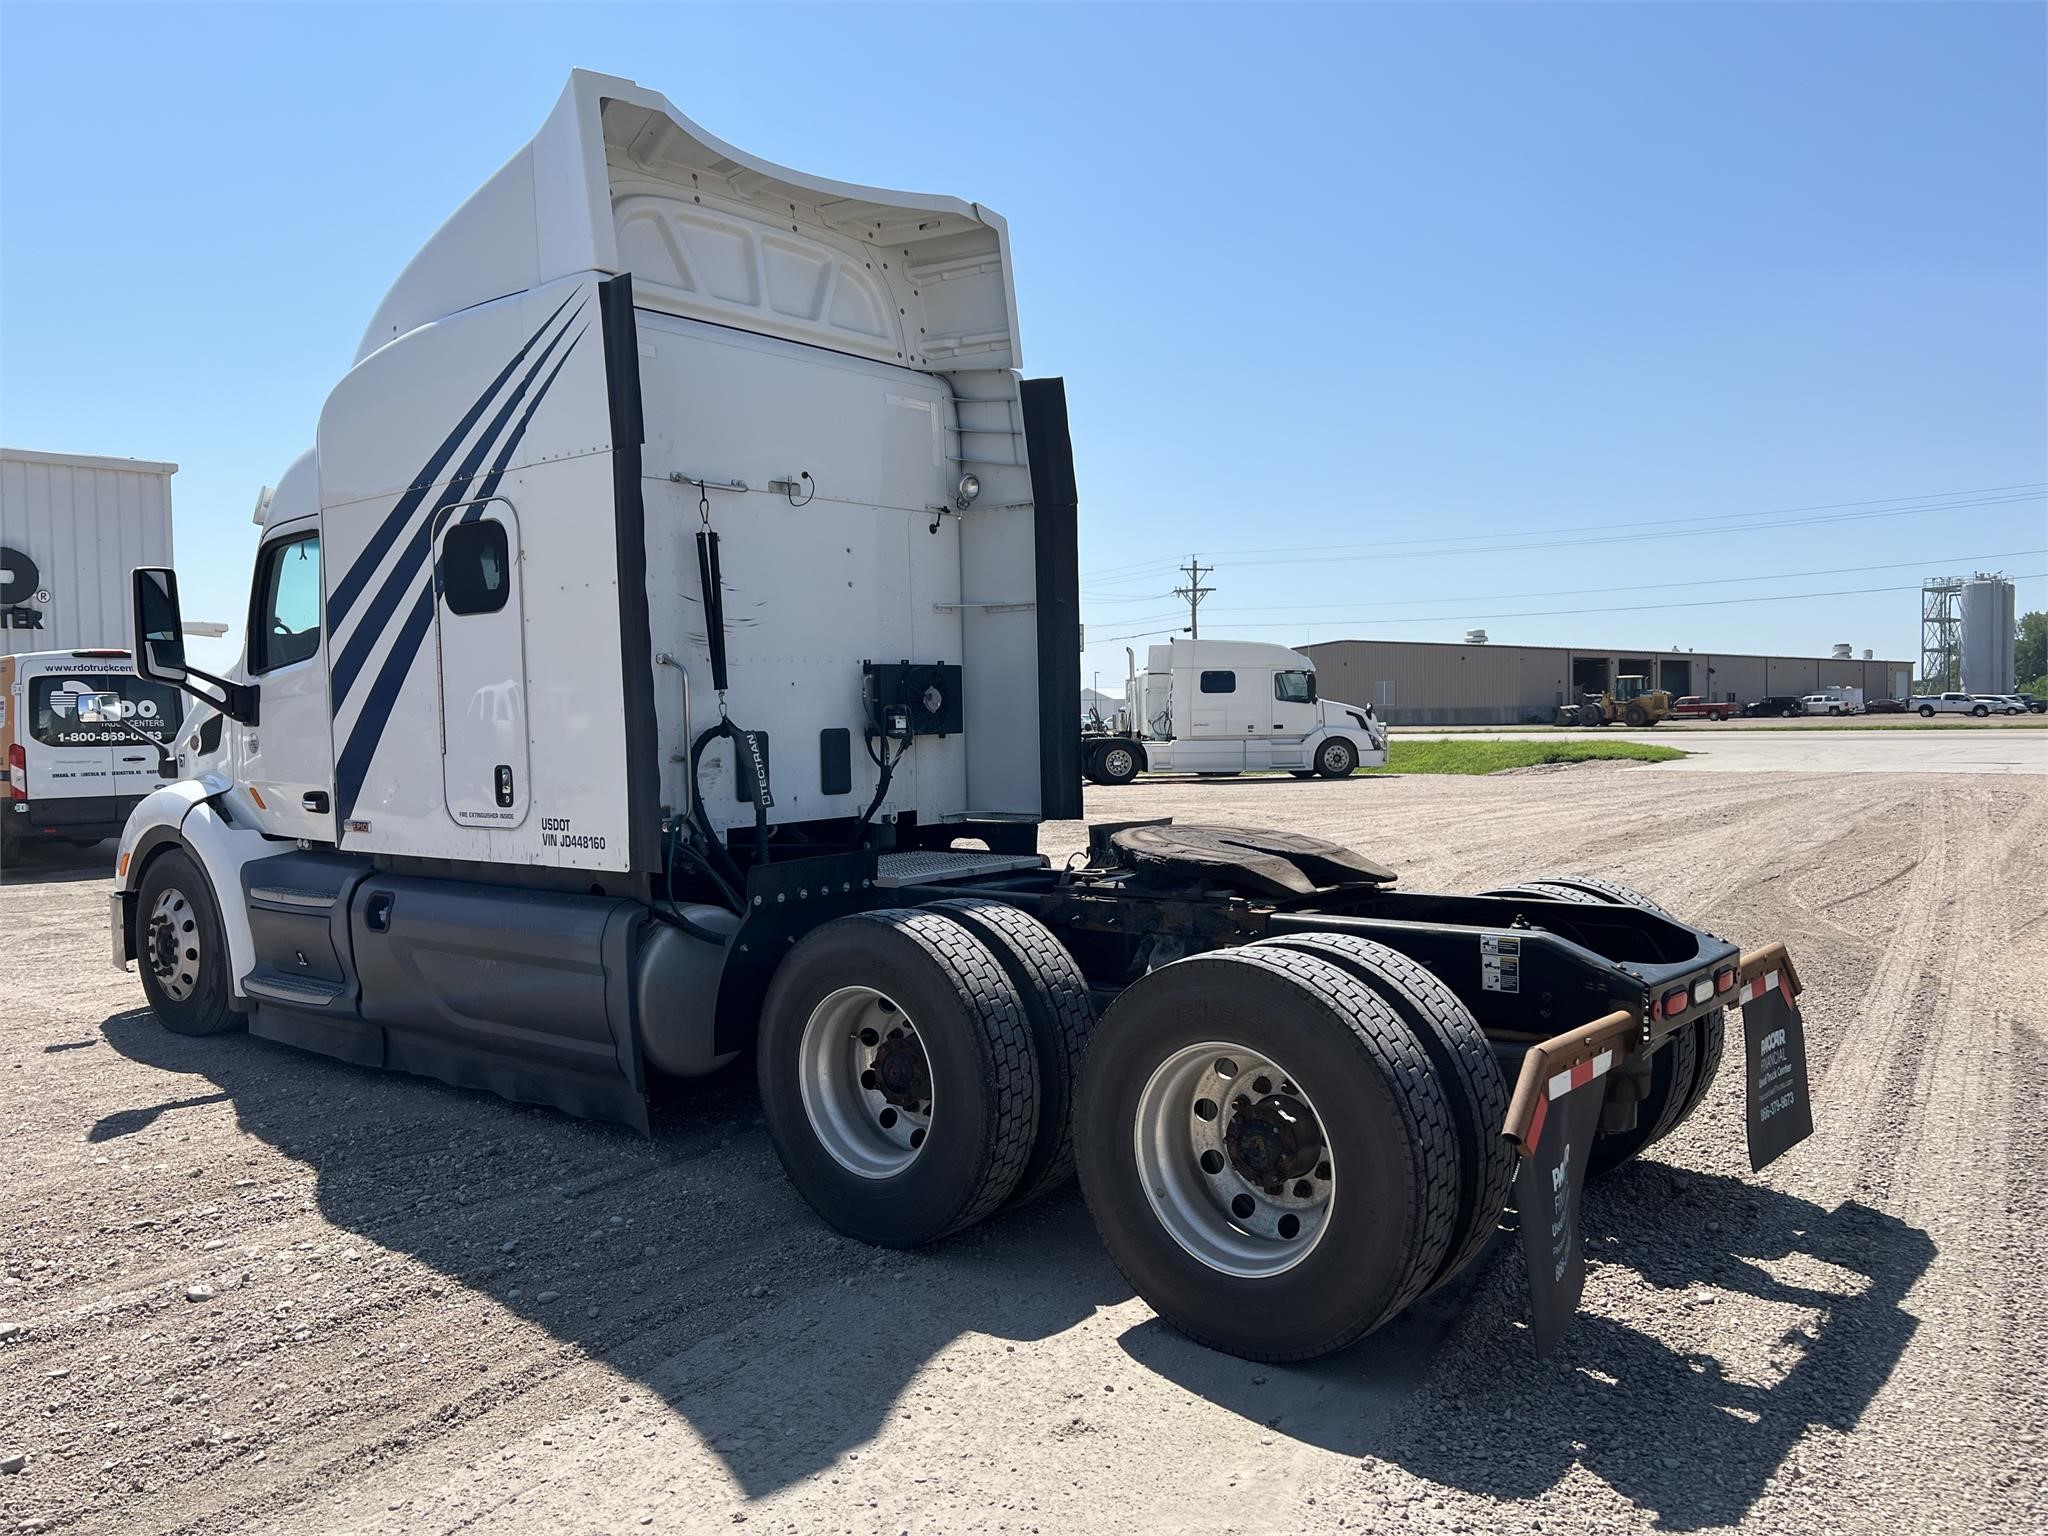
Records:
x=1464, y=1063
x=1720, y=714
x=897, y=1076
x=1062, y=1018
x=1636, y=716
x=1189, y=1103
x=1608, y=891
x=1674, y=1074
x=1980, y=710
x=1115, y=763
x=181, y=949
x=1336, y=758
x=1545, y=891
x=1926, y=711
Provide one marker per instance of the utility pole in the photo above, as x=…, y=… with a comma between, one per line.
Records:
x=1194, y=592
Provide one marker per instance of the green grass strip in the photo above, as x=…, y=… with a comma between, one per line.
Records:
x=1493, y=756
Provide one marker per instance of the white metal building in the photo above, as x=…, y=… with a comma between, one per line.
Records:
x=1421, y=682
x=72, y=526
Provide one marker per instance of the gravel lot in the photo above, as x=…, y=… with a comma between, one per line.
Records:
x=248, y=1289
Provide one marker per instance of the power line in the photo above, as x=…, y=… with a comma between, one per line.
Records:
x=1604, y=608
x=1705, y=581
x=1945, y=501
x=1194, y=592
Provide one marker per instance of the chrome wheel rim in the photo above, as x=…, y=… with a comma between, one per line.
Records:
x=1117, y=763
x=173, y=948
x=866, y=1082
x=1233, y=1160
x=1335, y=756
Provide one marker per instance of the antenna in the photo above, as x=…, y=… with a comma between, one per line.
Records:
x=1194, y=592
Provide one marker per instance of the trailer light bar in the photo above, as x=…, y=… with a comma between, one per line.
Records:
x=1724, y=981
x=1675, y=1002
x=1703, y=989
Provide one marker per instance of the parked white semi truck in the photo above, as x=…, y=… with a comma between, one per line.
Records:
x=668, y=649
x=1231, y=706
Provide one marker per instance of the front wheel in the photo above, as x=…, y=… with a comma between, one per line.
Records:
x=1337, y=758
x=181, y=947
x=1980, y=711
x=1115, y=765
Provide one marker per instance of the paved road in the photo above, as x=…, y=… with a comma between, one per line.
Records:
x=432, y=1311
x=1954, y=751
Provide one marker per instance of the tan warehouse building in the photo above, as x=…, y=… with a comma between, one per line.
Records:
x=1424, y=682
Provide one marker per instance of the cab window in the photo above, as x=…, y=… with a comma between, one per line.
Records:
x=1219, y=682
x=285, y=626
x=1294, y=687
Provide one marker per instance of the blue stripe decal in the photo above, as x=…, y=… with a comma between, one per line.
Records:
x=358, y=575
x=405, y=570
x=368, y=732
x=354, y=762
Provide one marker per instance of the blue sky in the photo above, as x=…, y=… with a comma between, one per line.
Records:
x=1365, y=304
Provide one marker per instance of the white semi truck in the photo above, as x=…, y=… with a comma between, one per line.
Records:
x=1231, y=706
x=668, y=650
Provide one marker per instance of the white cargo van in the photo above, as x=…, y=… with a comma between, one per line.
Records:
x=72, y=779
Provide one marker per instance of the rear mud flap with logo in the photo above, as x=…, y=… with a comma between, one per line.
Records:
x=1780, y=1113
x=1552, y=1120
x=1548, y=1192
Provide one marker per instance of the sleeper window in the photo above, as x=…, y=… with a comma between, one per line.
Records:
x=1219, y=682
x=476, y=567
x=287, y=627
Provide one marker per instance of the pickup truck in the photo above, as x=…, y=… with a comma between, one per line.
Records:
x=1931, y=704
x=1693, y=707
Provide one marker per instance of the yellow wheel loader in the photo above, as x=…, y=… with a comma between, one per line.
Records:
x=1630, y=703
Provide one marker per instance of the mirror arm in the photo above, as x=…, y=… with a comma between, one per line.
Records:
x=235, y=700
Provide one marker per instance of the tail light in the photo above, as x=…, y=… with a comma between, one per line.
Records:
x=17, y=772
x=1674, y=1002
x=1724, y=981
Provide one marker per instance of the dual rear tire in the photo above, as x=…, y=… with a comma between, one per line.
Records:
x=915, y=1067
x=1284, y=1146
x=1682, y=1069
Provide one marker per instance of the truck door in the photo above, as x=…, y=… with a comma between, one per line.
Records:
x=153, y=708
x=286, y=760
x=480, y=631
x=66, y=759
x=1295, y=715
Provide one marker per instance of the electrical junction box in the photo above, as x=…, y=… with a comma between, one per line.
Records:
x=926, y=693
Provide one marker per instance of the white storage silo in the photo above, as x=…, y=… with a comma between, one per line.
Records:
x=1988, y=635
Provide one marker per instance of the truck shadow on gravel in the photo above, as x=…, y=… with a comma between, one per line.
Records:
x=1804, y=1306
x=684, y=1262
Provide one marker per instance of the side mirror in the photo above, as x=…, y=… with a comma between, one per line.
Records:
x=159, y=627
x=160, y=647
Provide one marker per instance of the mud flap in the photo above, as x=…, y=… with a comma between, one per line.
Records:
x=1548, y=1191
x=1780, y=1113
